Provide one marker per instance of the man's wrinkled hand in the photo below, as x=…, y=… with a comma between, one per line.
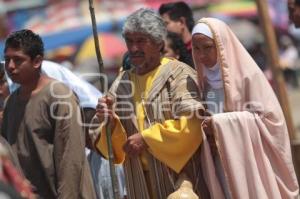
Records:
x=104, y=110
x=134, y=145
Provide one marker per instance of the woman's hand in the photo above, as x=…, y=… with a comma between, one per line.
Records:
x=209, y=131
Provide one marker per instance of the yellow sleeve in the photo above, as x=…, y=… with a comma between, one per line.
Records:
x=175, y=141
x=118, y=140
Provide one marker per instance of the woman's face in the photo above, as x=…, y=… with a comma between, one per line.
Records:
x=169, y=51
x=204, y=50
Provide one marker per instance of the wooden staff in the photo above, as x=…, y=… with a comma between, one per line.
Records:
x=272, y=50
x=108, y=129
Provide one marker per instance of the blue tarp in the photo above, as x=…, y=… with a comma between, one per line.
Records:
x=72, y=36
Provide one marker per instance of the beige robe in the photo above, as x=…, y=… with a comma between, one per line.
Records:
x=251, y=135
x=175, y=88
x=45, y=134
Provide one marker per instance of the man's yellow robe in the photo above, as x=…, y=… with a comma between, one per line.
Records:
x=165, y=110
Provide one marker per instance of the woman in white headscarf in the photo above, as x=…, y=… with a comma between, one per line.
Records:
x=249, y=155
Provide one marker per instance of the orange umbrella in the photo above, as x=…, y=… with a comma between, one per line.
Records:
x=61, y=53
x=111, y=47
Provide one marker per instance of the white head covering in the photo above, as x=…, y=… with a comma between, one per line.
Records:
x=213, y=74
x=203, y=29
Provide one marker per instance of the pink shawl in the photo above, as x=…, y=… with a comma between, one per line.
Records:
x=251, y=134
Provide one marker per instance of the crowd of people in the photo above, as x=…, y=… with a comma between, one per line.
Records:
x=191, y=115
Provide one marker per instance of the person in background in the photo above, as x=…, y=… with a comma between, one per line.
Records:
x=290, y=6
x=178, y=18
x=45, y=132
x=288, y=57
x=245, y=140
x=4, y=90
x=294, y=12
x=12, y=180
x=174, y=47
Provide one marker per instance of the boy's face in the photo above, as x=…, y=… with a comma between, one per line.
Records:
x=173, y=26
x=19, y=66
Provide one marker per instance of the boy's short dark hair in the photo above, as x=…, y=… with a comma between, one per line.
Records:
x=175, y=10
x=26, y=40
